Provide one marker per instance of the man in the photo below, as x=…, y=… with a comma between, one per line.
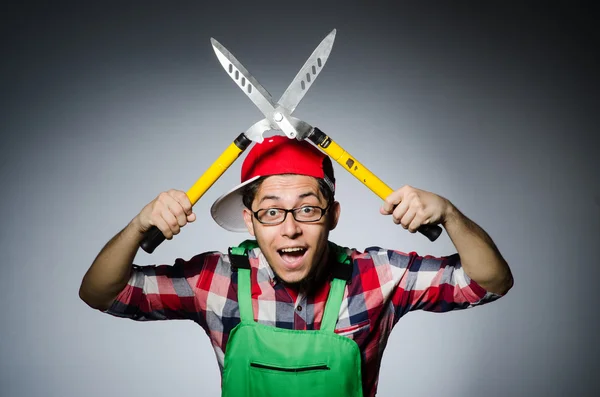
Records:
x=293, y=310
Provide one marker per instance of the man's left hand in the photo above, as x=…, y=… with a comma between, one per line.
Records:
x=411, y=208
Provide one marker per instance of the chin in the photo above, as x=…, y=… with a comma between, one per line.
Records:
x=293, y=278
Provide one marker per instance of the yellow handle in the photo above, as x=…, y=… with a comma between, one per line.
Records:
x=214, y=172
x=337, y=153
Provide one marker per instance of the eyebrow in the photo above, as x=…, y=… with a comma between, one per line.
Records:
x=301, y=196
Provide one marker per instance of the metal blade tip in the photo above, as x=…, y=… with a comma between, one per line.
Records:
x=218, y=47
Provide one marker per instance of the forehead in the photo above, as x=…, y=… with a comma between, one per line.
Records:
x=288, y=187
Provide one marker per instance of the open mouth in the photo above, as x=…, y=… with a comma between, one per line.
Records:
x=292, y=255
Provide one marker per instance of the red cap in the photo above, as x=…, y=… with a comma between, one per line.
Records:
x=276, y=155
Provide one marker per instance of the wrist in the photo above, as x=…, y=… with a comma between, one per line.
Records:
x=135, y=229
x=451, y=214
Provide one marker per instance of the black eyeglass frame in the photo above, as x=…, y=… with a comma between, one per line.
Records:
x=285, y=213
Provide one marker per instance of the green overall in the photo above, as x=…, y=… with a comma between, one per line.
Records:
x=265, y=361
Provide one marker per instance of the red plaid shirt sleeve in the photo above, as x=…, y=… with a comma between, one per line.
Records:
x=164, y=292
x=435, y=284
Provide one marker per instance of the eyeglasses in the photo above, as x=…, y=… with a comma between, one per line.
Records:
x=275, y=216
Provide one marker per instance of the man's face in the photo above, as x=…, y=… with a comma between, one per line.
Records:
x=292, y=248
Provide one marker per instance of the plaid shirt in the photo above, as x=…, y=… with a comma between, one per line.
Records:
x=385, y=285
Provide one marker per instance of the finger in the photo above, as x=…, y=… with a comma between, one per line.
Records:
x=164, y=228
x=408, y=217
x=400, y=211
x=173, y=202
x=171, y=221
x=392, y=200
x=178, y=213
x=416, y=222
x=183, y=199
x=186, y=205
x=418, y=208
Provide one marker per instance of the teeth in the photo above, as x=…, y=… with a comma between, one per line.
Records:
x=292, y=249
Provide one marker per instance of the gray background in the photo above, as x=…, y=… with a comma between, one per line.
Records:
x=492, y=106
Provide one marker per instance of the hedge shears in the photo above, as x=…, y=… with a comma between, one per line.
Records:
x=278, y=116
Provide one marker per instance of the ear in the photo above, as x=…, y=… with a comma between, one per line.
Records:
x=248, y=221
x=334, y=215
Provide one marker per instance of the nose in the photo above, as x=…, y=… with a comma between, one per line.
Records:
x=290, y=227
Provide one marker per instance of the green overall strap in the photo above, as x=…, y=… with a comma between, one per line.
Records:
x=245, y=295
x=332, y=307
x=336, y=292
x=239, y=260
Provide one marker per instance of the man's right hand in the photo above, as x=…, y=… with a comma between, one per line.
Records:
x=110, y=271
x=169, y=212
